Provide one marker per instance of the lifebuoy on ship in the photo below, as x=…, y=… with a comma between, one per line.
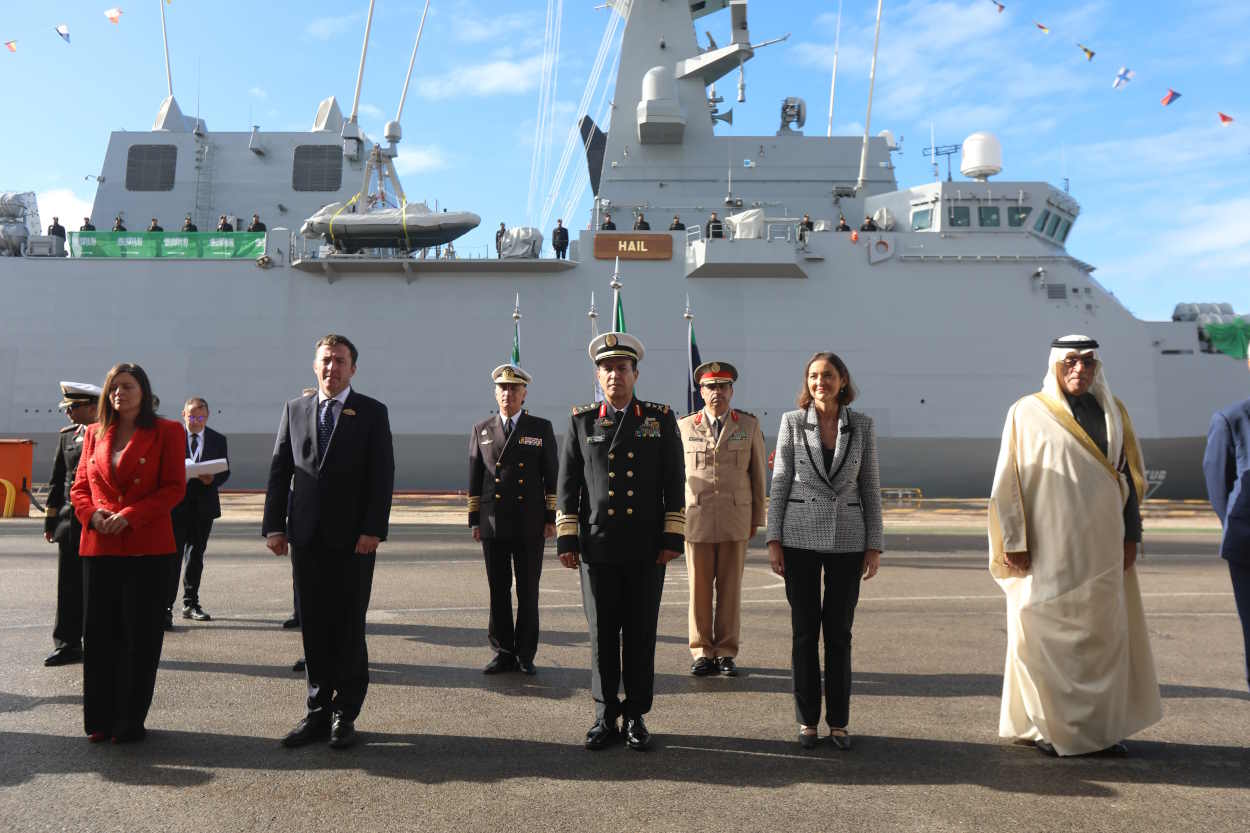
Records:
x=880, y=248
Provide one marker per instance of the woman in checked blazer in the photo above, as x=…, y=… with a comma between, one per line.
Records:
x=824, y=517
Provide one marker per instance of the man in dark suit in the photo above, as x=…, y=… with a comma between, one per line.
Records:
x=56, y=229
x=189, y=226
x=607, y=224
x=329, y=499
x=223, y=224
x=61, y=526
x=256, y=225
x=560, y=240
x=641, y=224
x=714, y=229
x=621, y=516
x=677, y=224
x=86, y=225
x=1227, y=468
x=512, y=510
x=193, y=517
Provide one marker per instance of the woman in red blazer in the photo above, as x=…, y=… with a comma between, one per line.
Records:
x=131, y=476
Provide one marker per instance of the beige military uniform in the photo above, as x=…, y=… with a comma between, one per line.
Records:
x=724, y=500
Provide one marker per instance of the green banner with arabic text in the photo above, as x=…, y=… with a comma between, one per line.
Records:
x=176, y=244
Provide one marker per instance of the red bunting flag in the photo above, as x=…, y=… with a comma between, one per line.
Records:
x=10, y=45
x=1045, y=29
x=114, y=14
x=1171, y=96
x=1000, y=6
x=1225, y=120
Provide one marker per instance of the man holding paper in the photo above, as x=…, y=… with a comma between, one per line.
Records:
x=207, y=469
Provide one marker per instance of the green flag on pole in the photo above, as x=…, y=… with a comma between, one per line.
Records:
x=618, y=315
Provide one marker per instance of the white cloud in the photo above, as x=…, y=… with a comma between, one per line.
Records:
x=491, y=78
x=419, y=159
x=371, y=110
x=63, y=203
x=257, y=92
x=325, y=28
x=496, y=27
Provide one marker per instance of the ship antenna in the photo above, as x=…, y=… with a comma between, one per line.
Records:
x=872, y=79
x=360, y=73
x=399, y=114
x=833, y=85
x=169, y=76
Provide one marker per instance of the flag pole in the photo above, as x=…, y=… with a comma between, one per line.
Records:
x=872, y=80
x=516, y=331
x=833, y=85
x=593, y=315
x=169, y=76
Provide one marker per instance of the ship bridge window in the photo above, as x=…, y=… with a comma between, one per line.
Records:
x=317, y=168
x=960, y=216
x=1040, y=225
x=1063, y=231
x=987, y=216
x=1055, y=219
x=922, y=219
x=1017, y=215
x=151, y=167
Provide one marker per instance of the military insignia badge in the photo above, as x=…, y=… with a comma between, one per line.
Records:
x=349, y=412
x=610, y=340
x=534, y=441
x=650, y=429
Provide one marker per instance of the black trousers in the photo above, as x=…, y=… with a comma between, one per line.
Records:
x=1241, y=593
x=562, y=252
x=124, y=616
x=622, y=603
x=504, y=557
x=332, y=597
x=190, y=542
x=67, y=631
x=809, y=618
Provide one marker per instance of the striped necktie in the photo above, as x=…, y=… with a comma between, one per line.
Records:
x=325, y=427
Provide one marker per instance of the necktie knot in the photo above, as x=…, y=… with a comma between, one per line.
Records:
x=195, y=444
x=507, y=427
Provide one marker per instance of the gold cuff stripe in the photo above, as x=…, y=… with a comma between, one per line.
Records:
x=675, y=527
x=50, y=512
x=475, y=503
x=551, y=501
x=566, y=528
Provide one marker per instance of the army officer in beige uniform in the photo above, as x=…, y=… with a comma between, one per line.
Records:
x=724, y=506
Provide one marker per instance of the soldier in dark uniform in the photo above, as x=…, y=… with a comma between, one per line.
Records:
x=499, y=235
x=607, y=224
x=223, y=224
x=641, y=224
x=86, y=225
x=677, y=224
x=256, y=224
x=155, y=226
x=714, y=229
x=621, y=517
x=869, y=224
x=61, y=525
x=560, y=240
x=56, y=229
x=512, y=511
x=189, y=226
x=118, y=225
x=843, y=225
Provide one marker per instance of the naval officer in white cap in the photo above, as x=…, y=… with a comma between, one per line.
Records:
x=512, y=511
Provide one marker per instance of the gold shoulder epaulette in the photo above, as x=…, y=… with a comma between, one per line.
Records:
x=581, y=409
x=656, y=406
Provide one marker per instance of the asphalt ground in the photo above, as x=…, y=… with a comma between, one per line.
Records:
x=446, y=748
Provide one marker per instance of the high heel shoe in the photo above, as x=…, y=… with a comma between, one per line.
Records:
x=840, y=738
x=809, y=736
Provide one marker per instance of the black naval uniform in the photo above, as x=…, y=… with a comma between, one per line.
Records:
x=63, y=525
x=512, y=496
x=621, y=501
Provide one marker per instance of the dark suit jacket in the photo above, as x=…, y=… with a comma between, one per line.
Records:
x=1227, y=468
x=559, y=237
x=332, y=502
x=622, y=489
x=512, y=483
x=60, y=521
x=200, y=499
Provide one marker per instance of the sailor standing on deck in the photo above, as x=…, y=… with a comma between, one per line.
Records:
x=80, y=402
x=560, y=240
x=512, y=511
x=724, y=507
x=621, y=518
x=1064, y=528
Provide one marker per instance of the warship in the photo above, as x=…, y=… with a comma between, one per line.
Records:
x=943, y=313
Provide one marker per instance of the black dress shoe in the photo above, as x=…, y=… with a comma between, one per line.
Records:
x=1045, y=747
x=526, y=666
x=502, y=662
x=195, y=612
x=727, y=667
x=703, y=666
x=603, y=733
x=636, y=735
x=342, y=733
x=840, y=740
x=313, y=727
x=132, y=735
x=808, y=740
x=169, y=619
x=299, y=665
x=66, y=655
x=293, y=622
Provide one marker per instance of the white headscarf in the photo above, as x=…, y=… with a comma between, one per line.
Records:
x=1052, y=386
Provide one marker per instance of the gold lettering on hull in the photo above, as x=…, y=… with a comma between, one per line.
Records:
x=636, y=246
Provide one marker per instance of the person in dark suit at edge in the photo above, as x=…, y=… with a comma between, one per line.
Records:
x=328, y=502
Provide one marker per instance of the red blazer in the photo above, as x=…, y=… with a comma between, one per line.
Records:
x=149, y=482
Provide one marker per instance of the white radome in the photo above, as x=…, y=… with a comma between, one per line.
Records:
x=982, y=156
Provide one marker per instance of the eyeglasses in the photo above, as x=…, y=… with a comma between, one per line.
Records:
x=1089, y=362
x=197, y=419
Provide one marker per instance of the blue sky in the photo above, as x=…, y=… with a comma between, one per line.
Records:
x=1165, y=192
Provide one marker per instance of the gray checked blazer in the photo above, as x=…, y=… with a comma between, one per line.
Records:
x=810, y=509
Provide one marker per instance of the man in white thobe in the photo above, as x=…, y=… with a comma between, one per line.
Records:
x=1064, y=529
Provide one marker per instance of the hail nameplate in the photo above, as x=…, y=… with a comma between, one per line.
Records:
x=633, y=246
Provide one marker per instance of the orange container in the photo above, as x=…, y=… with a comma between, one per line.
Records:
x=16, y=459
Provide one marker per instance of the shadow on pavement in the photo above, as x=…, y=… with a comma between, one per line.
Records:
x=181, y=759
